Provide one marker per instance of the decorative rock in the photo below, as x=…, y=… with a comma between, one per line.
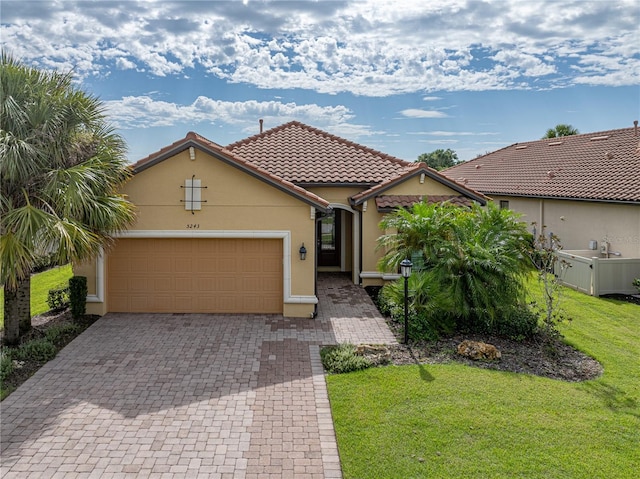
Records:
x=477, y=350
x=378, y=349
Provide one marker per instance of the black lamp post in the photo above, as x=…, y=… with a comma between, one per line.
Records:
x=405, y=270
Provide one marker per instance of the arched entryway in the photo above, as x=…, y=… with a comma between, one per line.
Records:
x=337, y=240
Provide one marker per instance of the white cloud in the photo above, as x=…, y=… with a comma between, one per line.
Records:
x=145, y=112
x=125, y=64
x=417, y=113
x=369, y=48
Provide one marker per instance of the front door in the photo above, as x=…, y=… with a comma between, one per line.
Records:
x=328, y=235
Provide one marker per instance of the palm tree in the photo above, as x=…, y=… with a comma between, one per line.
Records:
x=561, y=130
x=478, y=257
x=61, y=166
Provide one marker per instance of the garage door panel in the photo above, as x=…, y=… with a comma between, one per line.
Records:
x=180, y=284
x=195, y=275
x=226, y=265
x=162, y=284
x=183, y=303
x=162, y=264
x=271, y=264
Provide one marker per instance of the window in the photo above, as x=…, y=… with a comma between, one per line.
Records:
x=504, y=205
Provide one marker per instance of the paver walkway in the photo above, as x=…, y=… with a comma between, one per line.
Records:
x=162, y=395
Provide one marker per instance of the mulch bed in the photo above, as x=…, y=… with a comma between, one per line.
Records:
x=547, y=358
x=539, y=356
x=23, y=370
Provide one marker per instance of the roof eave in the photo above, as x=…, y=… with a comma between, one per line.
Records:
x=189, y=141
x=377, y=190
x=564, y=198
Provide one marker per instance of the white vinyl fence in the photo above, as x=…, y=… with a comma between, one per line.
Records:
x=596, y=275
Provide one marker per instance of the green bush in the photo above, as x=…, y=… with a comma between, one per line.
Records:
x=518, y=323
x=36, y=350
x=60, y=333
x=78, y=295
x=636, y=283
x=477, y=257
x=58, y=298
x=343, y=359
x=6, y=365
x=430, y=312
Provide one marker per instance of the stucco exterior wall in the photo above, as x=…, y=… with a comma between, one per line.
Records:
x=578, y=222
x=370, y=275
x=232, y=201
x=335, y=194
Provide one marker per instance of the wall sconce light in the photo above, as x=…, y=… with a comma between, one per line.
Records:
x=192, y=153
x=303, y=252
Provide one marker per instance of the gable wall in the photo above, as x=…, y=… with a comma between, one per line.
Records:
x=371, y=218
x=335, y=194
x=412, y=186
x=235, y=200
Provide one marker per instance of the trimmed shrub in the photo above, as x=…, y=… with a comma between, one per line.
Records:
x=36, y=350
x=518, y=323
x=58, y=298
x=60, y=333
x=6, y=365
x=343, y=359
x=78, y=295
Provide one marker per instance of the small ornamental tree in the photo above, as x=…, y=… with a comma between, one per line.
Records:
x=550, y=268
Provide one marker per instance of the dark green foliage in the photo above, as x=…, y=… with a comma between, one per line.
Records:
x=58, y=298
x=518, y=323
x=78, y=295
x=636, y=283
x=36, y=350
x=343, y=359
x=475, y=258
x=59, y=335
x=428, y=312
x=6, y=365
x=560, y=130
x=439, y=159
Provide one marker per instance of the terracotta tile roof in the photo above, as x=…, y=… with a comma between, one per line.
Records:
x=414, y=170
x=601, y=166
x=391, y=202
x=305, y=155
x=200, y=142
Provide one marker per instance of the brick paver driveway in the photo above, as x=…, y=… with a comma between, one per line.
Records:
x=188, y=396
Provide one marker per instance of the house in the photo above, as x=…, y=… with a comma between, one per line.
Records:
x=246, y=228
x=583, y=188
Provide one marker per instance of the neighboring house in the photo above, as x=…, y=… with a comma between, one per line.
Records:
x=222, y=229
x=583, y=188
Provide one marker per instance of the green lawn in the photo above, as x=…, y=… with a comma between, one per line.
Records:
x=442, y=421
x=41, y=283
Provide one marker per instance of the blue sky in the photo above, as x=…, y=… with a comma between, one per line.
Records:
x=401, y=77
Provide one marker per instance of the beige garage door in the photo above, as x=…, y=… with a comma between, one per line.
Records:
x=195, y=276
